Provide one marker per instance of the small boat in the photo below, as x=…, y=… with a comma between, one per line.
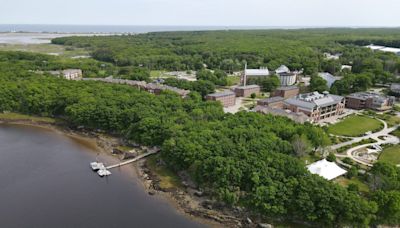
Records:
x=96, y=165
x=103, y=172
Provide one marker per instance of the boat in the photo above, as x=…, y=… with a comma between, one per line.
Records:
x=103, y=172
x=96, y=166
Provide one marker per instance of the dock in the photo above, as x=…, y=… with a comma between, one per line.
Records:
x=133, y=160
x=104, y=171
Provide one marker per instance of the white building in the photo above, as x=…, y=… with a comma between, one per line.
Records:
x=329, y=78
x=326, y=169
x=395, y=51
x=286, y=77
x=69, y=74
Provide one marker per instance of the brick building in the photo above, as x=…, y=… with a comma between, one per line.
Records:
x=286, y=92
x=227, y=98
x=365, y=100
x=274, y=102
x=316, y=106
x=246, y=91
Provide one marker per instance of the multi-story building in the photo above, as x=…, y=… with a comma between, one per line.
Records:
x=297, y=117
x=227, y=98
x=286, y=92
x=246, y=91
x=273, y=102
x=316, y=106
x=366, y=100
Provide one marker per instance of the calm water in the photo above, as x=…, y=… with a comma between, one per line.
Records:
x=45, y=181
x=120, y=28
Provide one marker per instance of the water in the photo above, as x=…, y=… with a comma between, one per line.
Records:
x=120, y=28
x=45, y=181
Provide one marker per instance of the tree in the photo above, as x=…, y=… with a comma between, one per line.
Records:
x=301, y=145
x=318, y=84
x=331, y=157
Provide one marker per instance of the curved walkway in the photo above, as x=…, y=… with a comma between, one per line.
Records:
x=389, y=139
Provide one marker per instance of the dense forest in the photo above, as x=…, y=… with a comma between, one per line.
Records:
x=228, y=51
x=243, y=159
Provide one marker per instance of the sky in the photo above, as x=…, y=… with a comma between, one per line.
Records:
x=314, y=13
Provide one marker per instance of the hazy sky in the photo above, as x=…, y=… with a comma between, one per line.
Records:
x=203, y=12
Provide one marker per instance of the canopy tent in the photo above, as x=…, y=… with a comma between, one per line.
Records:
x=326, y=169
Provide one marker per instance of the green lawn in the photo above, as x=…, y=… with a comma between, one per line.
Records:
x=391, y=155
x=355, y=126
x=17, y=116
x=343, y=181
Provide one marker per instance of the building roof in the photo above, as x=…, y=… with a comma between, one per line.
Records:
x=282, y=69
x=383, y=48
x=285, y=88
x=363, y=95
x=390, y=49
x=222, y=94
x=272, y=99
x=297, y=117
x=328, y=76
x=248, y=87
x=395, y=86
x=374, y=47
x=311, y=100
x=257, y=72
x=326, y=169
x=71, y=71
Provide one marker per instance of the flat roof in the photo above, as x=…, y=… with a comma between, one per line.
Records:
x=287, y=88
x=248, y=87
x=222, y=94
x=273, y=99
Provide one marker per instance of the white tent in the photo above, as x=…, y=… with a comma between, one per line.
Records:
x=326, y=169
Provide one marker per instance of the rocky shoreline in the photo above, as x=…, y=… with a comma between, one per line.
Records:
x=188, y=200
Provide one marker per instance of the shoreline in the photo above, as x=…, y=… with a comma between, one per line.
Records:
x=184, y=200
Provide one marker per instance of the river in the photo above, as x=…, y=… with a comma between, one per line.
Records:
x=45, y=181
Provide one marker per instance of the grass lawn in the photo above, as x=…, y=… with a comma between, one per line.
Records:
x=168, y=179
x=156, y=73
x=17, y=116
x=355, y=126
x=343, y=181
x=391, y=155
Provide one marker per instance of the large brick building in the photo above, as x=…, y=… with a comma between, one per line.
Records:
x=273, y=102
x=286, y=92
x=246, y=91
x=365, y=100
x=227, y=98
x=316, y=106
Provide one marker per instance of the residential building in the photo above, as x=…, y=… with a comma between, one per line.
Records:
x=329, y=78
x=273, y=102
x=297, y=117
x=316, y=106
x=246, y=91
x=227, y=98
x=286, y=91
x=367, y=100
